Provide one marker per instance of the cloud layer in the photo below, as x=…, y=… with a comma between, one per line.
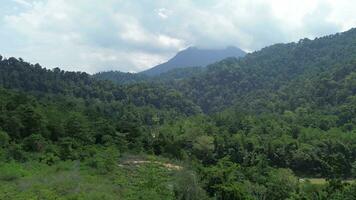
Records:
x=129, y=35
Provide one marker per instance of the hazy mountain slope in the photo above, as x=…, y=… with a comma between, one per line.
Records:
x=265, y=72
x=123, y=78
x=193, y=57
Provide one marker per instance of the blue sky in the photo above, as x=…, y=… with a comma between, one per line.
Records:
x=133, y=35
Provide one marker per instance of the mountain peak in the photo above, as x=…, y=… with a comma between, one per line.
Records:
x=194, y=57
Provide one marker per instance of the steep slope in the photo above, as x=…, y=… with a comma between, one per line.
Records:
x=194, y=57
x=261, y=75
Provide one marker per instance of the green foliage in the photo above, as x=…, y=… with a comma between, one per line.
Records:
x=187, y=186
x=4, y=139
x=15, y=151
x=77, y=127
x=74, y=180
x=243, y=127
x=281, y=184
x=149, y=180
x=203, y=147
x=222, y=180
x=104, y=161
x=123, y=78
x=11, y=171
x=34, y=143
x=120, y=77
x=353, y=169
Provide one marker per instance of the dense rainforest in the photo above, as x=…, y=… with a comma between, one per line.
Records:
x=123, y=78
x=279, y=123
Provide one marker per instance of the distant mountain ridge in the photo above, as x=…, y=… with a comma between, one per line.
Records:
x=123, y=78
x=194, y=57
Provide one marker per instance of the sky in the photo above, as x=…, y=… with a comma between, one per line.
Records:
x=134, y=35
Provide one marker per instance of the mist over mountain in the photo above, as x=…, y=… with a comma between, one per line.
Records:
x=194, y=57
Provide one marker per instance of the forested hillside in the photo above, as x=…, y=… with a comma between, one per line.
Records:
x=260, y=127
x=122, y=78
x=272, y=70
x=22, y=76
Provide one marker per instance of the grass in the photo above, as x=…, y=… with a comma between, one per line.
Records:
x=320, y=181
x=76, y=181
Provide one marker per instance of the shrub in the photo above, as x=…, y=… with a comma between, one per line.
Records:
x=281, y=184
x=11, y=171
x=15, y=152
x=186, y=186
x=34, y=143
x=4, y=139
x=49, y=158
x=104, y=160
x=353, y=169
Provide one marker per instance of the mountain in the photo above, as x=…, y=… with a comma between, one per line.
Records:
x=276, y=70
x=194, y=57
x=247, y=128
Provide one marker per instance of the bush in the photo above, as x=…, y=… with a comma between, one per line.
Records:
x=350, y=192
x=15, y=152
x=11, y=171
x=104, y=160
x=353, y=169
x=34, y=143
x=186, y=186
x=49, y=158
x=281, y=184
x=4, y=139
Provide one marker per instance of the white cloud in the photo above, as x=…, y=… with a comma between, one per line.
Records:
x=94, y=35
x=168, y=41
x=163, y=12
x=23, y=3
x=134, y=33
